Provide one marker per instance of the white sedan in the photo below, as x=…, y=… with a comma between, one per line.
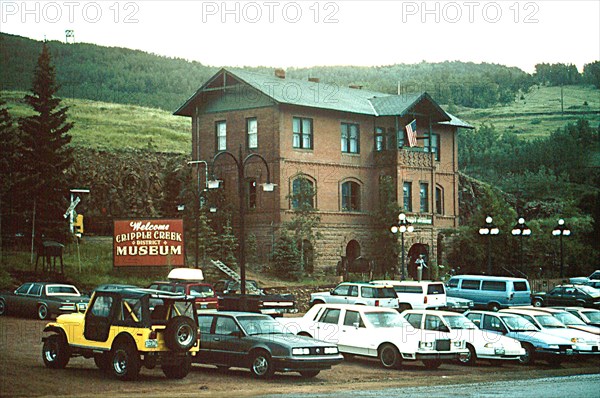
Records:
x=376, y=332
x=480, y=343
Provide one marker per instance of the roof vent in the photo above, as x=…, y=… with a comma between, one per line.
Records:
x=280, y=73
x=314, y=79
x=355, y=86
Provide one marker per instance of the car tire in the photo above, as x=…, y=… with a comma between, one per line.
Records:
x=42, y=312
x=261, y=365
x=2, y=307
x=537, y=303
x=528, y=357
x=178, y=371
x=432, y=363
x=312, y=304
x=309, y=374
x=404, y=307
x=125, y=361
x=180, y=334
x=56, y=352
x=495, y=307
x=389, y=356
x=471, y=357
x=102, y=361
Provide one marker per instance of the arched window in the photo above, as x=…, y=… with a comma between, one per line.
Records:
x=303, y=192
x=350, y=196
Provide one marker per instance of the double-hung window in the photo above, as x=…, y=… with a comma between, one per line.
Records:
x=350, y=138
x=431, y=143
x=302, y=129
x=221, y=133
x=424, y=197
x=350, y=196
x=252, y=133
x=407, y=196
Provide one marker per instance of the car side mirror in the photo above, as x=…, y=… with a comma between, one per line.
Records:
x=356, y=325
x=237, y=333
x=332, y=292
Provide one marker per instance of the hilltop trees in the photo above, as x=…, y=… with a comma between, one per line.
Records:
x=47, y=155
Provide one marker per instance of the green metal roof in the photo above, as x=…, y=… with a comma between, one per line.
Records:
x=329, y=96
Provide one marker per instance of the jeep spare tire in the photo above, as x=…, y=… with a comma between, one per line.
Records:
x=180, y=333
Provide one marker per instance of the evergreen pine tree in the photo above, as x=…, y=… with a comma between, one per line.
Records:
x=47, y=154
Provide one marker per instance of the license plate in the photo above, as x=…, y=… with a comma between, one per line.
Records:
x=569, y=351
x=204, y=305
x=151, y=344
x=499, y=351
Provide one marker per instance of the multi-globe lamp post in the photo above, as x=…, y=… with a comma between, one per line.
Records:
x=241, y=162
x=521, y=230
x=402, y=226
x=489, y=229
x=561, y=230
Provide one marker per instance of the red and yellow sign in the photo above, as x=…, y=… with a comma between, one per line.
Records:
x=154, y=242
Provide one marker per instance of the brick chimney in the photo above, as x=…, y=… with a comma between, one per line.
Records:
x=280, y=73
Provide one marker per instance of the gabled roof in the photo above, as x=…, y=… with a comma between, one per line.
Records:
x=328, y=96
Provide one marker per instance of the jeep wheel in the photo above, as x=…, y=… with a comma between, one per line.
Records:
x=2, y=307
x=42, y=312
x=389, y=356
x=470, y=358
x=180, y=333
x=432, y=363
x=125, y=361
x=178, y=371
x=56, y=352
x=261, y=365
x=102, y=361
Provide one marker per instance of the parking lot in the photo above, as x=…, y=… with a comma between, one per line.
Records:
x=24, y=374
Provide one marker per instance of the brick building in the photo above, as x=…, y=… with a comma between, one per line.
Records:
x=343, y=140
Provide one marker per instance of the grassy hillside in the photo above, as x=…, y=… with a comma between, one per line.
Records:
x=114, y=127
x=538, y=112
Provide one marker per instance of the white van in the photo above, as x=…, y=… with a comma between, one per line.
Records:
x=417, y=295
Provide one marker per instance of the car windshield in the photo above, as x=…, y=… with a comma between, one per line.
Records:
x=589, y=290
x=459, y=322
x=201, y=291
x=593, y=316
x=518, y=324
x=548, y=321
x=384, y=319
x=62, y=290
x=568, y=318
x=260, y=324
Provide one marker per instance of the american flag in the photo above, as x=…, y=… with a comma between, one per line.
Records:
x=411, y=132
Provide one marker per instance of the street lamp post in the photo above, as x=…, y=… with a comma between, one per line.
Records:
x=267, y=187
x=561, y=230
x=402, y=226
x=522, y=230
x=488, y=230
x=198, y=202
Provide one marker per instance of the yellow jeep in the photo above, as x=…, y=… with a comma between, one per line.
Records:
x=125, y=329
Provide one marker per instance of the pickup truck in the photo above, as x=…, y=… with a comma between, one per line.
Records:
x=358, y=293
x=203, y=293
x=255, y=299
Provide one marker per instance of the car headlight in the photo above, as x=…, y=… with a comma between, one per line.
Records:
x=489, y=345
x=553, y=346
x=331, y=350
x=426, y=345
x=300, y=351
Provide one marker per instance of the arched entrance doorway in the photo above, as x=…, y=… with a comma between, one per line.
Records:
x=352, y=251
x=418, y=253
